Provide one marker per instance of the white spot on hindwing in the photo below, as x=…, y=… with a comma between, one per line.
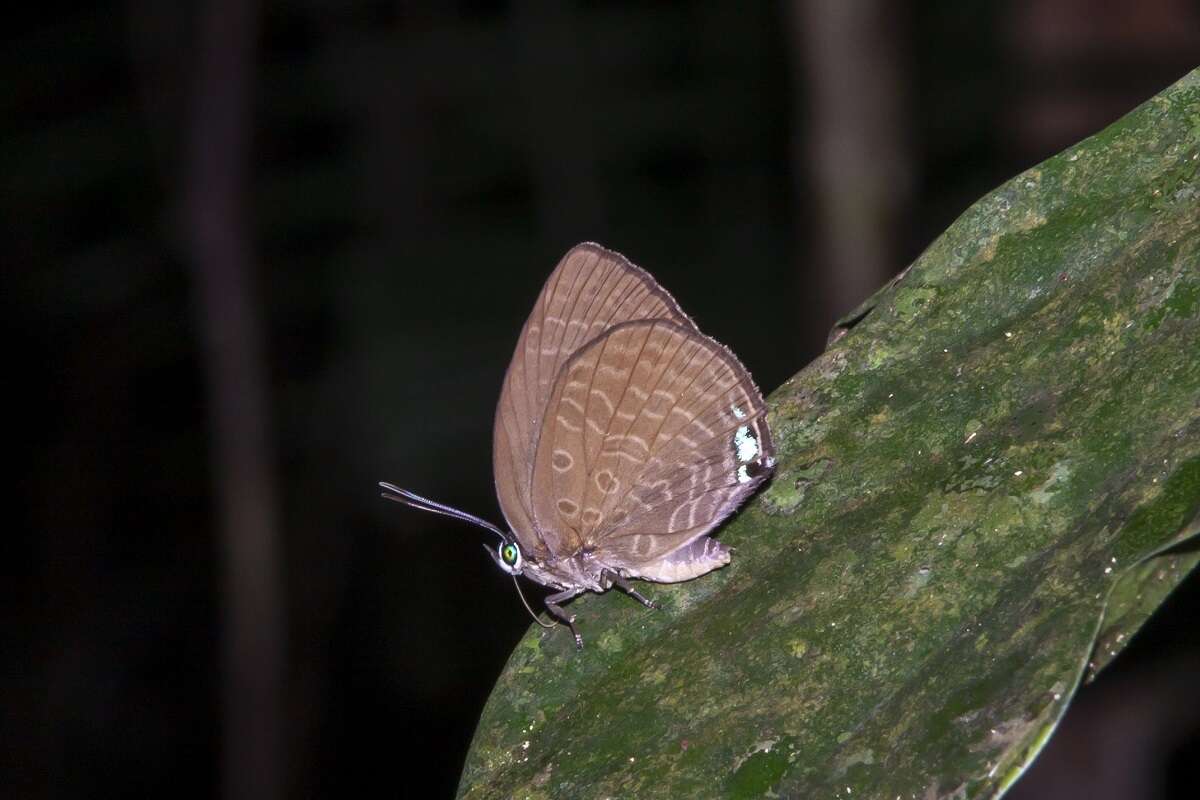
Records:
x=745, y=447
x=745, y=443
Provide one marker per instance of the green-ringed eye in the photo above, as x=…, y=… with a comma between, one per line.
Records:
x=510, y=554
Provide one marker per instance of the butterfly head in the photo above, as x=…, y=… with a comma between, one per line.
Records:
x=508, y=556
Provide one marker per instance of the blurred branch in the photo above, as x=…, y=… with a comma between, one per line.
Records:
x=215, y=221
x=847, y=56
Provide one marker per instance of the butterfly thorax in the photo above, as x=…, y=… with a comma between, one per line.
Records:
x=580, y=570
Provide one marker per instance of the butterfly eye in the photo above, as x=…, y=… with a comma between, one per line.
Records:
x=510, y=554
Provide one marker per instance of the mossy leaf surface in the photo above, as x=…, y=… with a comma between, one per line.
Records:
x=985, y=485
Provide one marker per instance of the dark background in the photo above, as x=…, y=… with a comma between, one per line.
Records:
x=260, y=256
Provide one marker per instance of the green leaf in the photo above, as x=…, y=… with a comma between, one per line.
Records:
x=993, y=472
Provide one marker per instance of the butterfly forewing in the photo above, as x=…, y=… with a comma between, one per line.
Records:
x=652, y=435
x=590, y=291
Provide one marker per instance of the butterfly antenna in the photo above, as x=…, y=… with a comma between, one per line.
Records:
x=405, y=497
x=413, y=500
x=525, y=603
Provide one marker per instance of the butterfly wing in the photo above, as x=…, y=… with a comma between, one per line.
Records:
x=590, y=291
x=653, y=434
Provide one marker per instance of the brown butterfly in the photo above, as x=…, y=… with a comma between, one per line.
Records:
x=623, y=437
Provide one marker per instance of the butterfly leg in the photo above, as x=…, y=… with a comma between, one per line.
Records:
x=552, y=605
x=626, y=587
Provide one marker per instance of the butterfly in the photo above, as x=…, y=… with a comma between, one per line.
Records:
x=622, y=438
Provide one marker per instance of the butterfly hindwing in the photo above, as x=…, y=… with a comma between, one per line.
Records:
x=652, y=435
